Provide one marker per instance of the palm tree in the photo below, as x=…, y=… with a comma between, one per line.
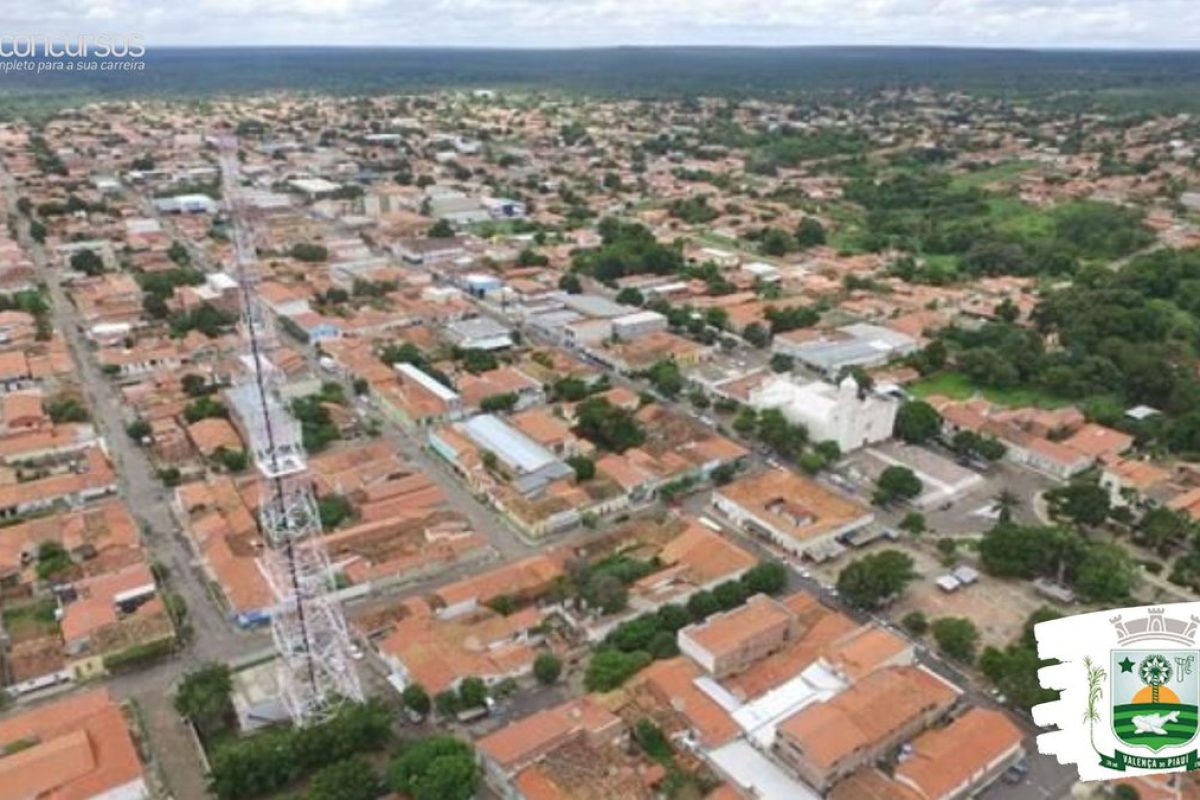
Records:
x=1095, y=678
x=1005, y=503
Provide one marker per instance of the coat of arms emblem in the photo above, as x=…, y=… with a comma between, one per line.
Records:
x=1153, y=686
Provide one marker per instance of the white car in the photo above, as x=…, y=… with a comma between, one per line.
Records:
x=355, y=652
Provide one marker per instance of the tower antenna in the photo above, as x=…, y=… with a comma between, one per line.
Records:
x=315, y=672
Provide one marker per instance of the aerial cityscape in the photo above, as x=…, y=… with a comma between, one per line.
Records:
x=679, y=423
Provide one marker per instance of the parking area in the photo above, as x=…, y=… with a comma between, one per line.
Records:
x=999, y=608
x=943, y=478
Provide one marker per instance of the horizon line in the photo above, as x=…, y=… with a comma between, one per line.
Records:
x=996, y=48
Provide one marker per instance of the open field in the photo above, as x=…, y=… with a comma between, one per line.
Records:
x=957, y=386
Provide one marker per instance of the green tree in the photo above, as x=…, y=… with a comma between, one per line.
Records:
x=440, y=767
x=138, y=430
x=1161, y=528
x=1015, y=551
x=913, y=522
x=873, y=579
x=809, y=233
x=611, y=427
x=309, y=252
x=205, y=697
x=204, y=408
x=505, y=401
x=416, y=699
x=630, y=296
x=915, y=623
x=66, y=408
x=232, y=460
x=702, y=605
x=1005, y=502
x=53, y=561
x=896, y=483
x=775, y=242
x=917, y=422
x=352, y=779
x=333, y=509
x=472, y=693
x=1107, y=574
x=87, y=262
x=767, y=577
x=609, y=668
x=730, y=594
x=784, y=437
x=1082, y=503
x=546, y=668
x=446, y=702
x=178, y=253
x=442, y=229
x=781, y=362
x=585, y=468
x=570, y=283
x=757, y=336
x=194, y=385
x=666, y=378
x=605, y=591
x=957, y=637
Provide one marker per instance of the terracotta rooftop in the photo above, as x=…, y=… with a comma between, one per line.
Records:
x=81, y=749
x=866, y=713
x=794, y=505
x=673, y=682
x=727, y=632
x=523, y=741
x=944, y=760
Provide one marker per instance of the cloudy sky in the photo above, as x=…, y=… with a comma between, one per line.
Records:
x=570, y=23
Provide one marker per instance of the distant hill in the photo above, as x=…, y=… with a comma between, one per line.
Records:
x=635, y=71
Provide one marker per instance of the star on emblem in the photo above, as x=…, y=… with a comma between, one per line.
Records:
x=1126, y=665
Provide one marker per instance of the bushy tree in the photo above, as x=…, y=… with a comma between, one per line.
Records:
x=546, y=668
x=957, y=637
x=611, y=427
x=809, y=233
x=1082, y=503
x=205, y=697
x=472, y=693
x=87, y=262
x=352, y=779
x=915, y=623
x=416, y=699
x=609, y=668
x=917, y=422
x=758, y=336
x=896, y=483
x=869, y=581
x=438, y=768
x=768, y=577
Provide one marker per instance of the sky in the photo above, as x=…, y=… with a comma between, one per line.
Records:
x=1150, y=24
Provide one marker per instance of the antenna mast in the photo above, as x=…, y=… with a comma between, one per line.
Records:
x=315, y=673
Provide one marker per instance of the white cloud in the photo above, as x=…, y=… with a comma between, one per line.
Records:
x=565, y=23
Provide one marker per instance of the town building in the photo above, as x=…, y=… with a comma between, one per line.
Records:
x=842, y=413
x=792, y=512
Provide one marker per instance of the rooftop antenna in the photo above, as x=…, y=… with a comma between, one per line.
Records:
x=315, y=672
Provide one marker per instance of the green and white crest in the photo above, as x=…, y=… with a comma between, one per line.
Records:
x=1155, y=695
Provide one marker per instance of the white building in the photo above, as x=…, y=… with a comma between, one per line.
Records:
x=830, y=413
x=637, y=324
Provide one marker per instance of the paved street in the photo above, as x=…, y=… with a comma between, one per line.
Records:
x=214, y=639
